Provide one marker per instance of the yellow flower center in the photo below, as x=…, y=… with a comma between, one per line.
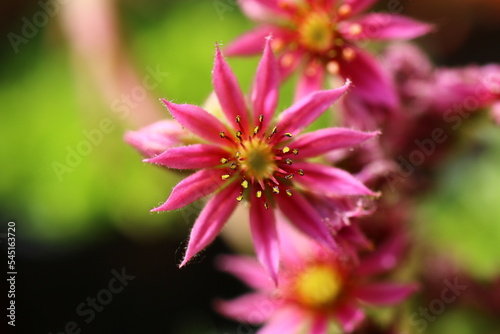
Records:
x=318, y=286
x=316, y=32
x=257, y=159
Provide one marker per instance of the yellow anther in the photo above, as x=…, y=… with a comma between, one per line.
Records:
x=226, y=176
x=244, y=184
x=239, y=198
x=301, y=172
x=276, y=190
x=286, y=149
x=288, y=192
x=259, y=194
x=223, y=160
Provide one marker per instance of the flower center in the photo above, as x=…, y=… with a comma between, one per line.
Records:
x=316, y=32
x=318, y=286
x=257, y=160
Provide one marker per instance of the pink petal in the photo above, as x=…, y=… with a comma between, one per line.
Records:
x=349, y=317
x=265, y=237
x=319, y=142
x=228, y=92
x=265, y=87
x=155, y=138
x=252, y=42
x=252, y=308
x=263, y=10
x=379, y=26
x=305, y=111
x=192, y=188
x=287, y=321
x=294, y=244
x=382, y=294
x=495, y=112
x=190, y=157
x=247, y=269
x=319, y=325
x=330, y=180
x=387, y=256
x=198, y=121
x=288, y=62
x=303, y=215
x=211, y=220
x=310, y=80
x=371, y=82
x=358, y=6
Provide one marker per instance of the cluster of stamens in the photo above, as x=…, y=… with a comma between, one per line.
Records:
x=263, y=168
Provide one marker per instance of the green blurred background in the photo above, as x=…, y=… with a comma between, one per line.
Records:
x=79, y=216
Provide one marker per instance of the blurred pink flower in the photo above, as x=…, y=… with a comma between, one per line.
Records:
x=325, y=36
x=319, y=289
x=252, y=158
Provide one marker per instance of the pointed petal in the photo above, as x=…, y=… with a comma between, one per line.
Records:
x=252, y=42
x=305, y=111
x=310, y=80
x=312, y=144
x=263, y=10
x=287, y=320
x=349, y=316
x=198, y=121
x=386, y=257
x=247, y=269
x=155, y=138
x=228, y=92
x=382, y=294
x=211, y=220
x=265, y=238
x=252, y=308
x=190, y=157
x=330, y=180
x=319, y=325
x=192, y=188
x=358, y=6
x=302, y=214
x=380, y=26
x=371, y=82
x=288, y=62
x=265, y=87
x=495, y=112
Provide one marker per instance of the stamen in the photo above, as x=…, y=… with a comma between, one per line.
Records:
x=301, y=172
x=238, y=134
x=226, y=176
x=223, y=160
x=273, y=132
x=238, y=119
x=289, y=177
x=333, y=67
x=256, y=130
x=288, y=134
x=289, y=162
x=237, y=155
x=276, y=190
x=344, y=10
x=244, y=184
x=233, y=166
x=295, y=151
x=261, y=119
x=222, y=134
x=239, y=198
x=259, y=194
x=348, y=54
x=266, y=205
x=289, y=193
x=286, y=149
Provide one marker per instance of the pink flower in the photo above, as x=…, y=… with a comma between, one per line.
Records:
x=253, y=158
x=324, y=35
x=319, y=289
